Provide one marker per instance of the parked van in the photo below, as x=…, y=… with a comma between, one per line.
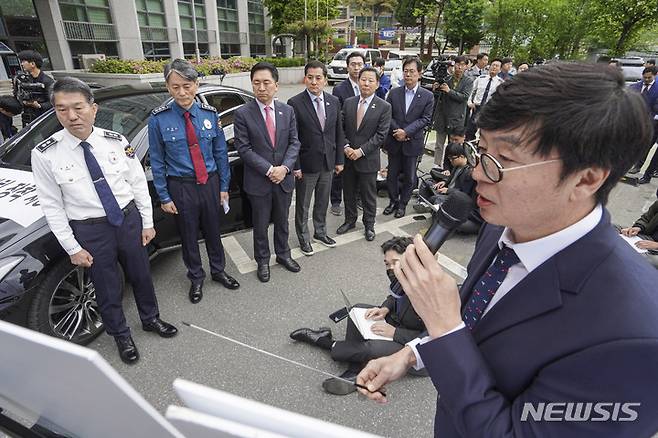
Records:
x=337, y=68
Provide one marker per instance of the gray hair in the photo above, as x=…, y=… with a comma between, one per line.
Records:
x=184, y=68
x=71, y=85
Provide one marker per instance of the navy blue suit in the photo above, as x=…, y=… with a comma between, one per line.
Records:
x=268, y=200
x=582, y=327
x=342, y=91
x=403, y=155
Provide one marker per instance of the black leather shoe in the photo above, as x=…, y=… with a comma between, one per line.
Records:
x=325, y=240
x=164, y=329
x=127, y=349
x=306, y=248
x=289, y=264
x=345, y=228
x=263, y=273
x=635, y=169
x=644, y=180
x=196, y=292
x=340, y=387
x=390, y=208
x=226, y=280
x=400, y=212
x=370, y=234
x=310, y=336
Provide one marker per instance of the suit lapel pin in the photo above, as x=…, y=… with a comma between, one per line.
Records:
x=280, y=113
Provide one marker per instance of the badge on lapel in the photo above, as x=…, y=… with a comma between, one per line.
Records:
x=112, y=156
x=207, y=124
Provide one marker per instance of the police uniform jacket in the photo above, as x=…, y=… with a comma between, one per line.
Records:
x=66, y=191
x=169, y=149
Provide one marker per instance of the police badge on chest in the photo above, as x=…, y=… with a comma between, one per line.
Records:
x=113, y=157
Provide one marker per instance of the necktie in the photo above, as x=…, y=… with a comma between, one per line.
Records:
x=320, y=111
x=195, y=151
x=645, y=90
x=360, y=113
x=269, y=123
x=357, y=92
x=487, y=286
x=110, y=205
x=486, y=92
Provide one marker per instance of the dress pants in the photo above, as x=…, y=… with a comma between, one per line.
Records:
x=400, y=194
x=274, y=205
x=198, y=204
x=355, y=349
x=365, y=184
x=109, y=245
x=439, y=148
x=312, y=184
x=336, y=189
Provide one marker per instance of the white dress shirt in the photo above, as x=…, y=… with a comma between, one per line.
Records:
x=355, y=87
x=409, y=96
x=531, y=255
x=66, y=191
x=480, y=84
x=315, y=106
x=262, y=111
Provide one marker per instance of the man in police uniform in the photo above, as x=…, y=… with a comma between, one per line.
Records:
x=191, y=172
x=94, y=195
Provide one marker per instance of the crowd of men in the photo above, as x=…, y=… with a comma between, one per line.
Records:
x=535, y=311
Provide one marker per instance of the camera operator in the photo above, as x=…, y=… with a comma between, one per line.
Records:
x=451, y=94
x=32, y=87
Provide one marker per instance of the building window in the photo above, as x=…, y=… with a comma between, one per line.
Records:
x=229, y=50
x=86, y=11
x=156, y=51
x=257, y=50
x=185, y=14
x=227, y=15
x=89, y=47
x=256, y=17
x=189, y=52
x=150, y=13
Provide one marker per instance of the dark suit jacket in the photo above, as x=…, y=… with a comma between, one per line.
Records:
x=651, y=98
x=451, y=109
x=413, y=122
x=343, y=91
x=406, y=321
x=255, y=148
x=370, y=135
x=582, y=327
x=320, y=150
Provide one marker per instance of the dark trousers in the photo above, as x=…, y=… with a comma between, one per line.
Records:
x=336, y=189
x=355, y=349
x=108, y=245
x=365, y=184
x=198, y=205
x=400, y=194
x=275, y=205
x=319, y=186
x=471, y=124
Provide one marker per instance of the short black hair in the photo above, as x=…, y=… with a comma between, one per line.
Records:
x=460, y=59
x=455, y=150
x=414, y=59
x=651, y=70
x=481, y=55
x=583, y=111
x=398, y=244
x=71, y=85
x=11, y=105
x=496, y=59
x=506, y=61
x=354, y=55
x=371, y=69
x=459, y=130
x=265, y=66
x=521, y=63
x=183, y=68
x=31, y=56
x=651, y=61
x=314, y=63
x=378, y=62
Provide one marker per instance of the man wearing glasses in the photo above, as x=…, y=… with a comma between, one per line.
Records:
x=555, y=329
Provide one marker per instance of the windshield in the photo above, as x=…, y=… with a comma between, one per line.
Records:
x=126, y=115
x=341, y=55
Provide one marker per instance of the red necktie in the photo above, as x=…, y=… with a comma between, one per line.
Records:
x=195, y=151
x=269, y=122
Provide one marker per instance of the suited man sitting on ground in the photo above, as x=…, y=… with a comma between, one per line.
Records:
x=398, y=321
x=646, y=227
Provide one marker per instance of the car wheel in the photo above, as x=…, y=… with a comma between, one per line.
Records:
x=64, y=305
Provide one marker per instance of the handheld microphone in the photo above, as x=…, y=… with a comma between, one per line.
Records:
x=452, y=213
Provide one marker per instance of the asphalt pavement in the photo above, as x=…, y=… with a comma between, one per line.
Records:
x=263, y=315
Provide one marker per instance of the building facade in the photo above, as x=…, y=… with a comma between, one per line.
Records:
x=137, y=29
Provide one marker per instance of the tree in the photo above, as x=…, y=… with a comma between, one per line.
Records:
x=374, y=8
x=618, y=24
x=463, y=23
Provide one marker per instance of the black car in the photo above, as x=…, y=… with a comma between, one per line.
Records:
x=39, y=287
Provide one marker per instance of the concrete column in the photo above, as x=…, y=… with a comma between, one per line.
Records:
x=173, y=27
x=243, y=28
x=126, y=25
x=53, y=34
x=213, y=27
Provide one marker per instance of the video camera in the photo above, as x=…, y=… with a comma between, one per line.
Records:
x=26, y=90
x=440, y=71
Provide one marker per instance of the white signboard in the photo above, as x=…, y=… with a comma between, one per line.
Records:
x=18, y=197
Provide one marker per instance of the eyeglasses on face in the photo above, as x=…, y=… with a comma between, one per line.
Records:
x=492, y=167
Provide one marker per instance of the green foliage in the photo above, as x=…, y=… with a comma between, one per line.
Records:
x=374, y=8
x=288, y=15
x=206, y=67
x=618, y=24
x=463, y=23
